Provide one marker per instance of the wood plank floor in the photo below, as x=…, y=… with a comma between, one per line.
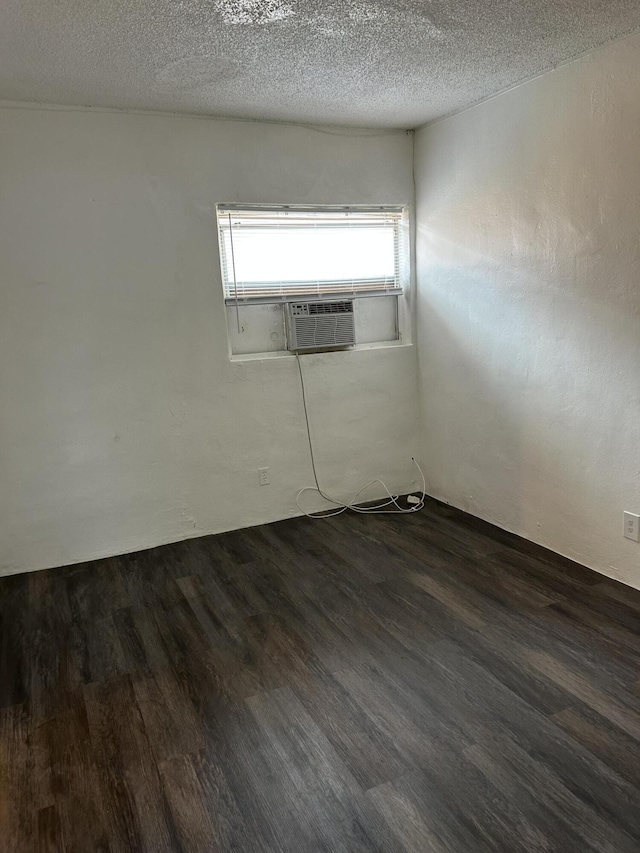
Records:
x=420, y=683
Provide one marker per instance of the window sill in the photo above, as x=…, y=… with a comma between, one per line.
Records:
x=269, y=356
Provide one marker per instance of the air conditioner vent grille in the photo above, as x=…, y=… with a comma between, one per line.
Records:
x=313, y=325
x=316, y=308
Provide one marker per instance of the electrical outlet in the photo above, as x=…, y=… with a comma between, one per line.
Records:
x=264, y=477
x=632, y=526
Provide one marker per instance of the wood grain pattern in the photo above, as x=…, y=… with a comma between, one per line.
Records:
x=424, y=683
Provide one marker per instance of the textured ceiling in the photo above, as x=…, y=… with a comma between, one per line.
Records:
x=378, y=63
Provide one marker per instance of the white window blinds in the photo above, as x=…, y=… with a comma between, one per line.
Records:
x=276, y=254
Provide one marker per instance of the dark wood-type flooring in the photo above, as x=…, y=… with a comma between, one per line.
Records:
x=419, y=683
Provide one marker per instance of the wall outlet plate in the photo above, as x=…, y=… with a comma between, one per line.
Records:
x=632, y=526
x=264, y=478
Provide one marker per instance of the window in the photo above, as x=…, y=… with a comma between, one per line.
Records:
x=275, y=254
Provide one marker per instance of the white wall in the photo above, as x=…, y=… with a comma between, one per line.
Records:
x=529, y=308
x=123, y=423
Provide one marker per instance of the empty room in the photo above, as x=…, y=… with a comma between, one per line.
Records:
x=320, y=426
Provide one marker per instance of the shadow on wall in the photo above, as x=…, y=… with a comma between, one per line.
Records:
x=529, y=308
x=471, y=420
x=516, y=361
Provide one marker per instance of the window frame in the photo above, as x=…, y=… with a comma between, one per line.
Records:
x=401, y=252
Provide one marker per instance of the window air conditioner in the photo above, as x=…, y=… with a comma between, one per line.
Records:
x=319, y=325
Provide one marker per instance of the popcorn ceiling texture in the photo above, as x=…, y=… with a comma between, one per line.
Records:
x=379, y=63
x=253, y=11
